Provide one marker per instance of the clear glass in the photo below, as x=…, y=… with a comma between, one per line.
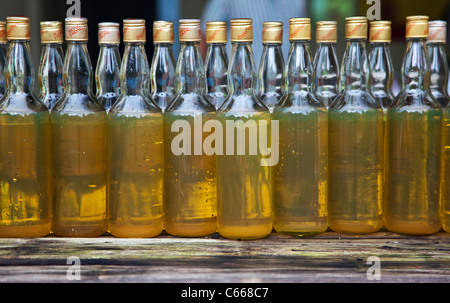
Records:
x=78, y=126
x=414, y=124
x=355, y=148
x=326, y=69
x=216, y=73
x=25, y=200
x=381, y=74
x=271, y=75
x=135, y=154
x=190, y=194
x=3, y=54
x=244, y=189
x=439, y=72
x=51, y=74
x=300, y=177
x=107, y=75
x=163, y=75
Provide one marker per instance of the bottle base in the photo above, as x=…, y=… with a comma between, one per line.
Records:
x=245, y=232
x=300, y=227
x=191, y=229
x=133, y=231
x=82, y=231
x=32, y=231
x=354, y=227
x=411, y=228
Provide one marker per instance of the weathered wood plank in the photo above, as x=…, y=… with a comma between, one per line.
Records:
x=329, y=257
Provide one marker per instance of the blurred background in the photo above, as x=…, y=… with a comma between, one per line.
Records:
x=260, y=10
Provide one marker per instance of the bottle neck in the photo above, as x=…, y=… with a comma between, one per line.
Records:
x=107, y=73
x=190, y=69
x=299, y=72
x=271, y=69
x=77, y=69
x=163, y=69
x=51, y=69
x=242, y=72
x=381, y=69
x=438, y=67
x=355, y=66
x=326, y=68
x=416, y=67
x=19, y=70
x=134, y=72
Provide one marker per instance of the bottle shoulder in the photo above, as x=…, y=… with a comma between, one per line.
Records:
x=355, y=100
x=77, y=104
x=415, y=99
x=243, y=104
x=132, y=105
x=190, y=102
x=21, y=103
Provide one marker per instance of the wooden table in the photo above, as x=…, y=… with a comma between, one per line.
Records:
x=329, y=257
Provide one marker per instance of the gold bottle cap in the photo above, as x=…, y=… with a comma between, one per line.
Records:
x=51, y=32
x=163, y=32
x=417, y=27
x=299, y=29
x=356, y=28
x=3, y=32
x=190, y=30
x=216, y=32
x=326, y=31
x=272, y=32
x=76, y=29
x=437, y=31
x=134, y=30
x=380, y=31
x=241, y=30
x=108, y=33
x=18, y=28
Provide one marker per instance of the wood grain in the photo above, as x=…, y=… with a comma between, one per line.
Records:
x=329, y=257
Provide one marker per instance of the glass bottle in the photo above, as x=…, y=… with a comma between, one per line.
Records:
x=163, y=64
x=25, y=200
x=381, y=68
x=216, y=66
x=135, y=147
x=355, y=142
x=414, y=123
x=189, y=173
x=52, y=63
x=439, y=68
x=107, y=72
x=78, y=125
x=271, y=67
x=300, y=177
x=326, y=67
x=437, y=37
x=3, y=53
x=243, y=181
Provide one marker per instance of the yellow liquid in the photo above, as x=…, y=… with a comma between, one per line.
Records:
x=135, y=178
x=244, y=196
x=413, y=171
x=190, y=194
x=355, y=171
x=445, y=214
x=25, y=204
x=300, y=177
x=79, y=172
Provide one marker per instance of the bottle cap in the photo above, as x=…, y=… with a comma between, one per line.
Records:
x=380, y=31
x=51, y=32
x=417, y=27
x=18, y=28
x=3, y=32
x=163, y=32
x=299, y=29
x=134, y=30
x=216, y=32
x=76, y=29
x=326, y=31
x=437, y=31
x=108, y=33
x=272, y=32
x=189, y=30
x=356, y=28
x=241, y=30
